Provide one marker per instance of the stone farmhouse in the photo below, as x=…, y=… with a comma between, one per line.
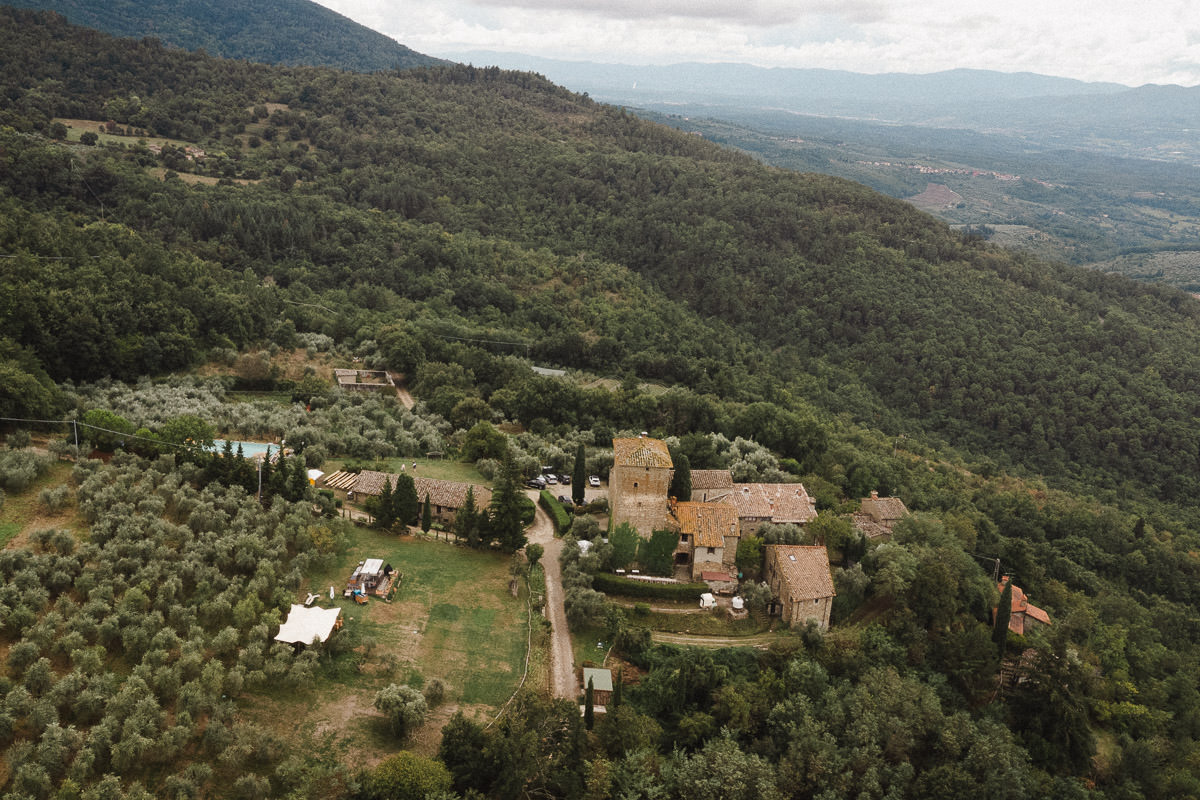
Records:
x=877, y=516
x=800, y=583
x=708, y=539
x=779, y=503
x=708, y=484
x=445, y=497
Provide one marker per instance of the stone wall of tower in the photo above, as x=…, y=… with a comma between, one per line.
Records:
x=638, y=495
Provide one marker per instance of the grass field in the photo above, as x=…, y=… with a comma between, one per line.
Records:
x=452, y=619
x=441, y=469
x=22, y=514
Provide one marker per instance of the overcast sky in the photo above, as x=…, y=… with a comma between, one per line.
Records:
x=1124, y=41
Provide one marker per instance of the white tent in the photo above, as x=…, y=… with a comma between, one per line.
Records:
x=707, y=600
x=305, y=624
x=738, y=604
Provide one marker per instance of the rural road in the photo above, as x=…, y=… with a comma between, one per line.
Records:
x=759, y=640
x=562, y=661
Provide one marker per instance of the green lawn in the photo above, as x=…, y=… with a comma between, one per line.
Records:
x=441, y=469
x=452, y=618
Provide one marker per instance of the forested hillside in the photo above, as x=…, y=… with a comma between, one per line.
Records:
x=845, y=298
x=160, y=209
x=273, y=31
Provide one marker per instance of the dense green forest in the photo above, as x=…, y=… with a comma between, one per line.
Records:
x=275, y=32
x=456, y=224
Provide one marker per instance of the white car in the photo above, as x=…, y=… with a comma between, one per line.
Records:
x=594, y=480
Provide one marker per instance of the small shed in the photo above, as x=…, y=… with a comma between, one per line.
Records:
x=305, y=624
x=602, y=684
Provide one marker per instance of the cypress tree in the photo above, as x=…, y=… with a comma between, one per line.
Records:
x=426, y=515
x=578, y=476
x=615, y=702
x=681, y=481
x=385, y=515
x=589, y=705
x=406, y=506
x=1003, y=615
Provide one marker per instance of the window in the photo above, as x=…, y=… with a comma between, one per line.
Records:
x=635, y=484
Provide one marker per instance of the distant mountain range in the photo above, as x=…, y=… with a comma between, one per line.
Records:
x=271, y=31
x=1041, y=111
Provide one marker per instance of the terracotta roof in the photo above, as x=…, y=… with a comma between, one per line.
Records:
x=711, y=479
x=869, y=527
x=707, y=523
x=802, y=570
x=371, y=482
x=641, y=452
x=777, y=502
x=1021, y=608
x=716, y=577
x=451, y=494
x=448, y=494
x=883, y=509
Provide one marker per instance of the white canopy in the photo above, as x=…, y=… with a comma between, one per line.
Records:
x=707, y=600
x=738, y=603
x=305, y=624
x=372, y=566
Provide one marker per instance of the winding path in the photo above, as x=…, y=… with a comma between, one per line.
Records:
x=562, y=661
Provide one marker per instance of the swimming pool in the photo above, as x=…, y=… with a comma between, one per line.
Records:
x=249, y=449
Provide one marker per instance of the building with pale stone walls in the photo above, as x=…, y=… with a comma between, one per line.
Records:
x=638, y=484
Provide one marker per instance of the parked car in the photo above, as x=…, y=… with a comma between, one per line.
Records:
x=536, y=483
x=565, y=480
x=566, y=501
x=594, y=480
x=551, y=479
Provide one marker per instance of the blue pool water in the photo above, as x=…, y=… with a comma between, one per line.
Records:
x=249, y=449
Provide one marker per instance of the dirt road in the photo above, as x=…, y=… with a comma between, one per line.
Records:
x=562, y=662
x=758, y=640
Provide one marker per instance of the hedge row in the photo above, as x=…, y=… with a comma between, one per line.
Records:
x=562, y=520
x=628, y=587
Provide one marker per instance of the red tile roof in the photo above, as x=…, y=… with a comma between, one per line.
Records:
x=641, y=452
x=711, y=479
x=1022, y=609
x=802, y=570
x=777, y=502
x=707, y=523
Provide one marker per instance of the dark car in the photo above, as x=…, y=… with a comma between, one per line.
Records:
x=566, y=501
x=565, y=480
x=536, y=483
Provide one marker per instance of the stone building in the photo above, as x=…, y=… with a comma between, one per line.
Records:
x=801, y=584
x=708, y=538
x=638, y=484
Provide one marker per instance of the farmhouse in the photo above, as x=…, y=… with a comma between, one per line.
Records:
x=445, y=497
x=708, y=484
x=1025, y=616
x=708, y=537
x=800, y=582
x=638, y=483
x=877, y=515
x=778, y=503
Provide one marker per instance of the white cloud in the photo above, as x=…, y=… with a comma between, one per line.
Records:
x=1151, y=41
